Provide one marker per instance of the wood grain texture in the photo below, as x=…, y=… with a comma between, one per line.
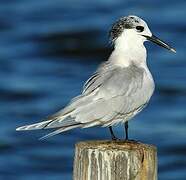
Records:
x=110, y=160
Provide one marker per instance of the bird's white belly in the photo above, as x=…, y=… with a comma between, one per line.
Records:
x=148, y=84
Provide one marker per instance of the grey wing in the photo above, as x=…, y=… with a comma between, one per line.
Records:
x=70, y=115
x=104, y=72
x=119, y=92
x=112, y=92
x=63, y=118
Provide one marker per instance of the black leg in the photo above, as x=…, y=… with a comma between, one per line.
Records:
x=112, y=134
x=126, y=130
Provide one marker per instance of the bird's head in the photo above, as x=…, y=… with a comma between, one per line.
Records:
x=133, y=29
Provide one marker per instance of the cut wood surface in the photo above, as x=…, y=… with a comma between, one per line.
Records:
x=115, y=160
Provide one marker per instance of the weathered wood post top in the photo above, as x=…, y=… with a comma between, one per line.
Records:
x=115, y=160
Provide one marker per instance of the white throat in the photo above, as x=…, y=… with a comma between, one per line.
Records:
x=129, y=48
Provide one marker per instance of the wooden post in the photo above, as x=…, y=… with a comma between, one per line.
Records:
x=110, y=160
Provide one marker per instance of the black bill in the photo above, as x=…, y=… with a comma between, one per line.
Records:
x=159, y=42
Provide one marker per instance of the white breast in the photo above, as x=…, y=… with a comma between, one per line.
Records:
x=148, y=84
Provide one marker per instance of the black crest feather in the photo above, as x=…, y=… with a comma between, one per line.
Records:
x=127, y=22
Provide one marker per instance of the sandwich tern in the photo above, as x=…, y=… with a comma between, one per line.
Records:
x=119, y=89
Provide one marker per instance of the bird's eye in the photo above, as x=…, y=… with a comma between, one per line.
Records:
x=139, y=28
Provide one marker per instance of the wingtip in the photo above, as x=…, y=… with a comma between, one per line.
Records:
x=44, y=137
x=20, y=128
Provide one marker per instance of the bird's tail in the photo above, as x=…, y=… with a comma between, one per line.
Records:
x=35, y=126
x=61, y=124
x=60, y=130
x=62, y=120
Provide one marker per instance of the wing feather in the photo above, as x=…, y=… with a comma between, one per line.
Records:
x=113, y=93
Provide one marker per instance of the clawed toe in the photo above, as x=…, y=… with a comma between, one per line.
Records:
x=115, y=139
x=131, y=140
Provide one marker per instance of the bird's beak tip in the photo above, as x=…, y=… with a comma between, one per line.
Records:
x=173, y=50
x=159, y=42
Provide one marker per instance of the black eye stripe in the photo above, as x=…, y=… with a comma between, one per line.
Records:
x=139, y=28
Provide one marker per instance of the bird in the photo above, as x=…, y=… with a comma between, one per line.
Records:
x=118, y=90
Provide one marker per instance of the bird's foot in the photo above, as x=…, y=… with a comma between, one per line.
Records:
x=131, y=141
x=114, y=138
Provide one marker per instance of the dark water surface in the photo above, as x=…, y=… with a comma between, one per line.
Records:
x=48, y=48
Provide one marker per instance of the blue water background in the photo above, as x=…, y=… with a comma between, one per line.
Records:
x=48, y=48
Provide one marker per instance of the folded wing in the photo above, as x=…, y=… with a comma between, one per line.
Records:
x=111, y=94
